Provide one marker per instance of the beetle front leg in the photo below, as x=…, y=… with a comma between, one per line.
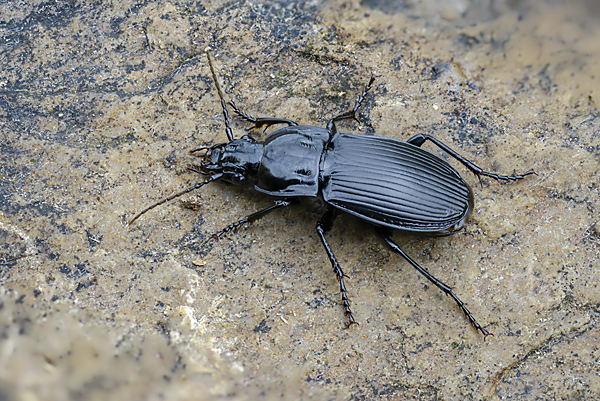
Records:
x=261, y=121
x=387, y=237
x=419, y=139
x=253, y=217
x=323, y=225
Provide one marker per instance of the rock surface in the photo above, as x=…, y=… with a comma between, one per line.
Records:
x=100, y=103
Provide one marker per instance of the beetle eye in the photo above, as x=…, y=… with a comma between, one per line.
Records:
x=236, y=178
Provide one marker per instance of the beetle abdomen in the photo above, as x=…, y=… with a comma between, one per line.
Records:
x=394, y=184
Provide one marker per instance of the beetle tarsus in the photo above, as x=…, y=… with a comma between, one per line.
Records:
x=486, y=334
x=325, y=224
x=512, y=177
x=231, y=227
x=351, y=320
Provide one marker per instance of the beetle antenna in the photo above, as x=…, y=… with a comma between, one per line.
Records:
x=225, y=114
x=178, y=194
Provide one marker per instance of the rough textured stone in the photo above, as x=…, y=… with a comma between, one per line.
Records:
x=99, y=104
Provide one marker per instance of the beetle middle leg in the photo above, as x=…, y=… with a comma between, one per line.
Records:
x=323, y=225
x=352, y=113
x=419, y=139
x=253, y=217
x=387, y=237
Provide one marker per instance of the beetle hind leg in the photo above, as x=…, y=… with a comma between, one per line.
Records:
x=387, y=237
x=323, y=225
x=419, y=139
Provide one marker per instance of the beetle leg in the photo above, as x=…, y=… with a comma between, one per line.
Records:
x=352, y=113
x=253, y=217
x=387, y=237
x=419, y=139
x=261, y=121
x=323, y=225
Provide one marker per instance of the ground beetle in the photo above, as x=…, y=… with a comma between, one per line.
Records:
x=392, y=184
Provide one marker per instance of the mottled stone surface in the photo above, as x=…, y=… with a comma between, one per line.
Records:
x=99, y=104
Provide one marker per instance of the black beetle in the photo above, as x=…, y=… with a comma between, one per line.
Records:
x=392, y=184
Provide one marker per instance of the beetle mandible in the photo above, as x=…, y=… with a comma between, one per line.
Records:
x=392, y=184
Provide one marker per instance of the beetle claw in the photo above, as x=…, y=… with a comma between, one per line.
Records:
x=351, y=320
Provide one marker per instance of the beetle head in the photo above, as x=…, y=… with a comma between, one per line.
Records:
x=237, y=160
